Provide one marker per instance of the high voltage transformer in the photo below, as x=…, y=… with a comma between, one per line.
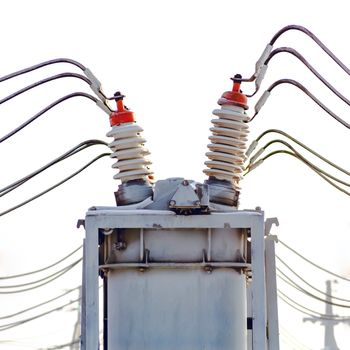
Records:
x=182, y=266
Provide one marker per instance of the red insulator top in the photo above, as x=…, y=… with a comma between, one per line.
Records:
x=234, y=97
x=121, y=115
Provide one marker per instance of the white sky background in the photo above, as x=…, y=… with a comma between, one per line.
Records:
x=173, y=60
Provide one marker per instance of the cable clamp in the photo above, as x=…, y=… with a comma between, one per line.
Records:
x=260, y=62
x=95, y=85
x=261, y=101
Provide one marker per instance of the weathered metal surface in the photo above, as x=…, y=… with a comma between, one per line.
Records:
x=179, y=282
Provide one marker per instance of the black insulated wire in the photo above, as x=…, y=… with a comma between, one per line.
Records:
x=41, y=65
x=315, y=39
x=304, y=146
x=54, y=186
x=305, y=160
x=310, y=67
x=46, y=109
x=310, y=165
x=80, y=147
x=44, y=81
x=309, y=94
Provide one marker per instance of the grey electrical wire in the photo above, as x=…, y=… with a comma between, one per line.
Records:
x=308, y=284
x=302, y=290
x=42, y=284
x=309, y=312
x=302, y=59
x=39, y=305
x=41, y=65
x=41, y=279
x=305, y=31
x=44, y=81
x=54, y=186
x=312, y=263
x=42, y=269
x=46, y=109
x=252, y=166
x=301, y=145
x=19, y=323
x=309, y=94
x=315, y=39
x=78, y=148
x=301, y=158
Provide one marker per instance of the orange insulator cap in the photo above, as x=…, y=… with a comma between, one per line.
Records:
x=234, y=97
x=122, y=114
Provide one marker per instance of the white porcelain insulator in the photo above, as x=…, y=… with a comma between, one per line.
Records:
x=228, y=143
x=128, y=148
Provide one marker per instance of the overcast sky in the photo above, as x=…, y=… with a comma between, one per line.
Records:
x=172, y=60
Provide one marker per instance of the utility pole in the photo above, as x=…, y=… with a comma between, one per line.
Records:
x=75, y=344
x=329, y=338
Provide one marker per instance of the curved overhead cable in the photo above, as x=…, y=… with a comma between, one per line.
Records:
x=254, y=144
x=54, y=186
x=309, y=284
x=50, y=106
x=312, y=263
x=78, y=148
x=301, y=87
x=42, y=269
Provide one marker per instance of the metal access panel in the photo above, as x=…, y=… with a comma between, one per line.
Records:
x=173, y=281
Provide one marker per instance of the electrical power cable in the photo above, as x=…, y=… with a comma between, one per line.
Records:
x=44, y=81
x=39, y=305
x=47, y=108
x=78, y=148
x=44, y=268
x=312, y=263
x=302, y=290
x=54, y=186
x=261, y=150
x=19, y=323
x=260, y=68
x=301, y=87
x=56, y=276
x=41, y=65
x=315, y=39
x=308, y=311
x=310, y=67
x=41, y=279
x=312, y=167
x=309, y=284
x=253, y=145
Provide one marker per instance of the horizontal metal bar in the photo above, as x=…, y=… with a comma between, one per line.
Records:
x=176, y=265
x=164, y=219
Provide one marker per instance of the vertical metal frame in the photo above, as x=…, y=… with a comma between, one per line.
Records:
x=90, y=335
x=258, y=283
x=271, y=291
x=112, y=218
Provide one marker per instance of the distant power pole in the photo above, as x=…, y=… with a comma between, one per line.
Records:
x=329, y=338
x=75, y=344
